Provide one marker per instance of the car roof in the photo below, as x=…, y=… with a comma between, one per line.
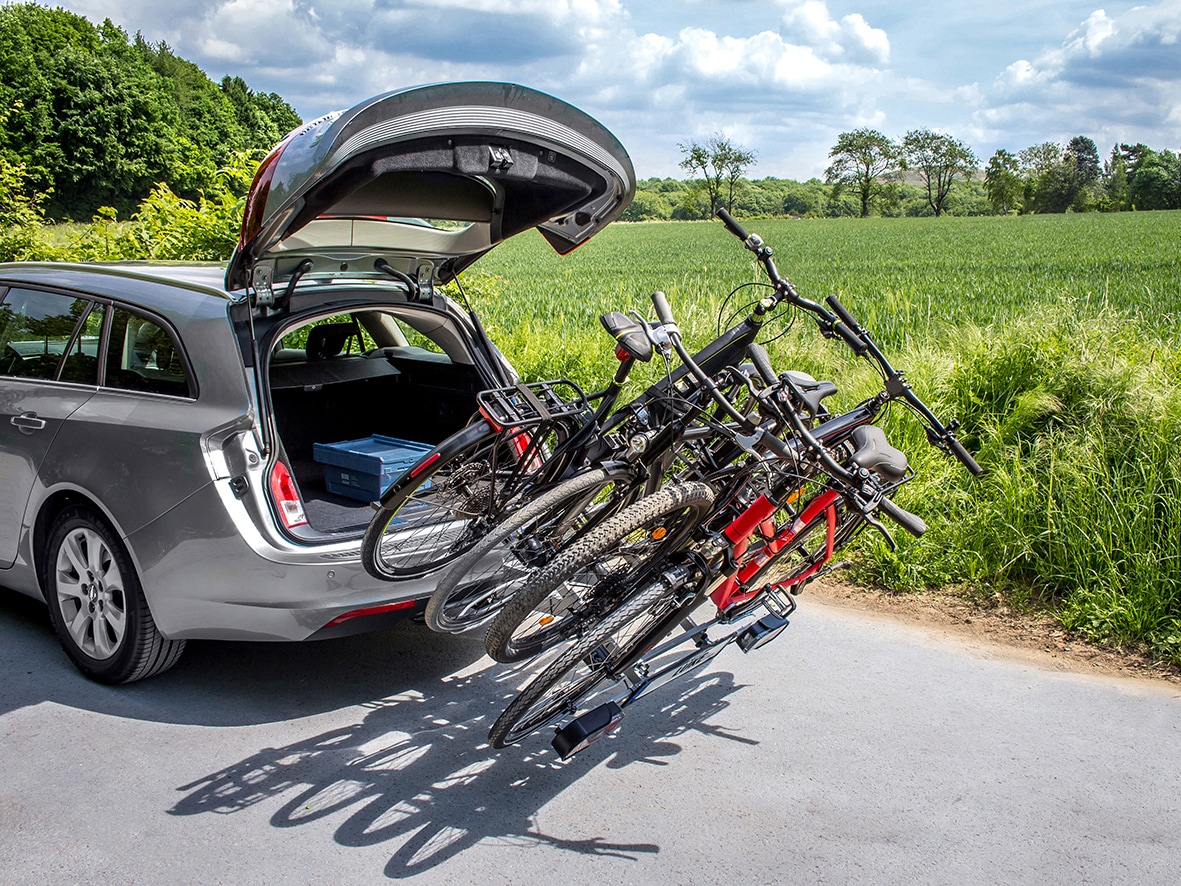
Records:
x=134, y=280
x=170, y=288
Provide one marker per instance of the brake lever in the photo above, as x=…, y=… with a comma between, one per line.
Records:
x=878, y=525
x=657, y=334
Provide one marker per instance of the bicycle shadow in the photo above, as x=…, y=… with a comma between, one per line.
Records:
x=416, y=770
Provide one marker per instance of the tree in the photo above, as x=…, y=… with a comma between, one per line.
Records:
x=98, y=119
x=1085, y=155
x=1083, y=159
x=1002, y=181
x=1155, y=180
x=1115, y=182
x=645, y=206
x=1060, y=179
x=939, y=160
x=862, y=160
x=721, y=163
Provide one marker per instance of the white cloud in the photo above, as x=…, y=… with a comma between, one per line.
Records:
x=783, y=77
x=851, y=38
x=1114, y=76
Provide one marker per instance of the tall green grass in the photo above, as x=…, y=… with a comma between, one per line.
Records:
x=1054, y=339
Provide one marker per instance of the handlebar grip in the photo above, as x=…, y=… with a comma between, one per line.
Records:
x=758, y=356
x=732, y=225
x=852, y=339
x=912, y=523
x=777, y=446
x=840, y=310
x=965, y=457
x=663, y=311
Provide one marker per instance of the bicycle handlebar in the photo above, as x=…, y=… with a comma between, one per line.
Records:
x=912, y=523
x=758, y=356
x=840, y=322
x=732, y=225
x=663, y=311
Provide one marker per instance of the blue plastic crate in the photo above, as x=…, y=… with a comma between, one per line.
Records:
x=363, y=468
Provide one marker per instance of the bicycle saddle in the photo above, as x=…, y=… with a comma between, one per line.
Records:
x=874, y=453
x=808, y=390
x=629, y=335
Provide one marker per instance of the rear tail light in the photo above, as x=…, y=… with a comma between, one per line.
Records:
x=286, y=497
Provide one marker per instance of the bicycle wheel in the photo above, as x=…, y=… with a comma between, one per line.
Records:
x=439, y=508
x=581, y=669
x=475, y=587
x=587, y=581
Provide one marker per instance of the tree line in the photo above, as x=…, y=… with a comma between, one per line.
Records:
x=92, y=118
x=925, y=173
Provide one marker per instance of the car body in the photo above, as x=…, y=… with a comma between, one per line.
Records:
x=159, y=423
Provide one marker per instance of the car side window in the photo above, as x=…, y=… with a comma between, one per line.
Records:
x=36, y=328
x=81, y=363
x=143, y=356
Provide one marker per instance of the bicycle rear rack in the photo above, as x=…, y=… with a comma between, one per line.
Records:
x=526, y=405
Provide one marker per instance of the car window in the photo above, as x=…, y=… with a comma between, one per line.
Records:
x=81, y=363
x=35, y=330
x=143, y=356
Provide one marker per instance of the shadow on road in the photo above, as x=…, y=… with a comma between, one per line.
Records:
x=227, y=683
x=415, y=772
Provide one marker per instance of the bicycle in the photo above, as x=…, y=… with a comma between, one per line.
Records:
x=665, y=431
x=523, y=440
x=842, y=468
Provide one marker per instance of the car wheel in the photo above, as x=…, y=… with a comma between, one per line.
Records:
x=97, y=605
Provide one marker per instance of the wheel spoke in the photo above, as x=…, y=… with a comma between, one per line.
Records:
x=79, y=626
x=116, y=617
x=104, y=644
x=74, y=551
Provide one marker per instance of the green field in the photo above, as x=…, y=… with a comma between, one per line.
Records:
x=1053, y=338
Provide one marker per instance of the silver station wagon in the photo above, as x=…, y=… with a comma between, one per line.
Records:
x=189, y=451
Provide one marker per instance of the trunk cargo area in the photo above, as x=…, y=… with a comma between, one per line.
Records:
x=406, y=393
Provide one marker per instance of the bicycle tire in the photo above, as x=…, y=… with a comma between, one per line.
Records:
x=542, y=700
x=590, y=577
x=428, y=518
x=472, y=591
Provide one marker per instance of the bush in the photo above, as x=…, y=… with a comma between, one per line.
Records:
x=20, y=215
x=1075, y=415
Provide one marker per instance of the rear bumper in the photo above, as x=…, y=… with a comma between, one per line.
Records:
x=207, y=576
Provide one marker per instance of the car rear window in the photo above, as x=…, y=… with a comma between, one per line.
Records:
x=143, y=356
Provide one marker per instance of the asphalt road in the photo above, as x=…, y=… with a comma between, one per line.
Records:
x=848, y=751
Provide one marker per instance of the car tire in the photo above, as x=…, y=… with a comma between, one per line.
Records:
x=97, y=605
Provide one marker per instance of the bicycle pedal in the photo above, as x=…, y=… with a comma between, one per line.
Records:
x=586, y=729
x=761, y=632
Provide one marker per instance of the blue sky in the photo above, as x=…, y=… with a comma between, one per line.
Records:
x=781, y=77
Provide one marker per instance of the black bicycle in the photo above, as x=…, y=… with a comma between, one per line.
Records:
x=525, y=439
x=807, y=493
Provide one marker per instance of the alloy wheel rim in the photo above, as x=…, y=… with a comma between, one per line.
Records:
x=90, y=594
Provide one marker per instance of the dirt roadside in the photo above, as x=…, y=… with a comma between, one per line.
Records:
x=998, y=630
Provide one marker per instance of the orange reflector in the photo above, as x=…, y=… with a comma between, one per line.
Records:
x=545, y=620
x=659, y=533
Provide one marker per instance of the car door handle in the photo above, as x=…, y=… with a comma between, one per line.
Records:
x=28, y=422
